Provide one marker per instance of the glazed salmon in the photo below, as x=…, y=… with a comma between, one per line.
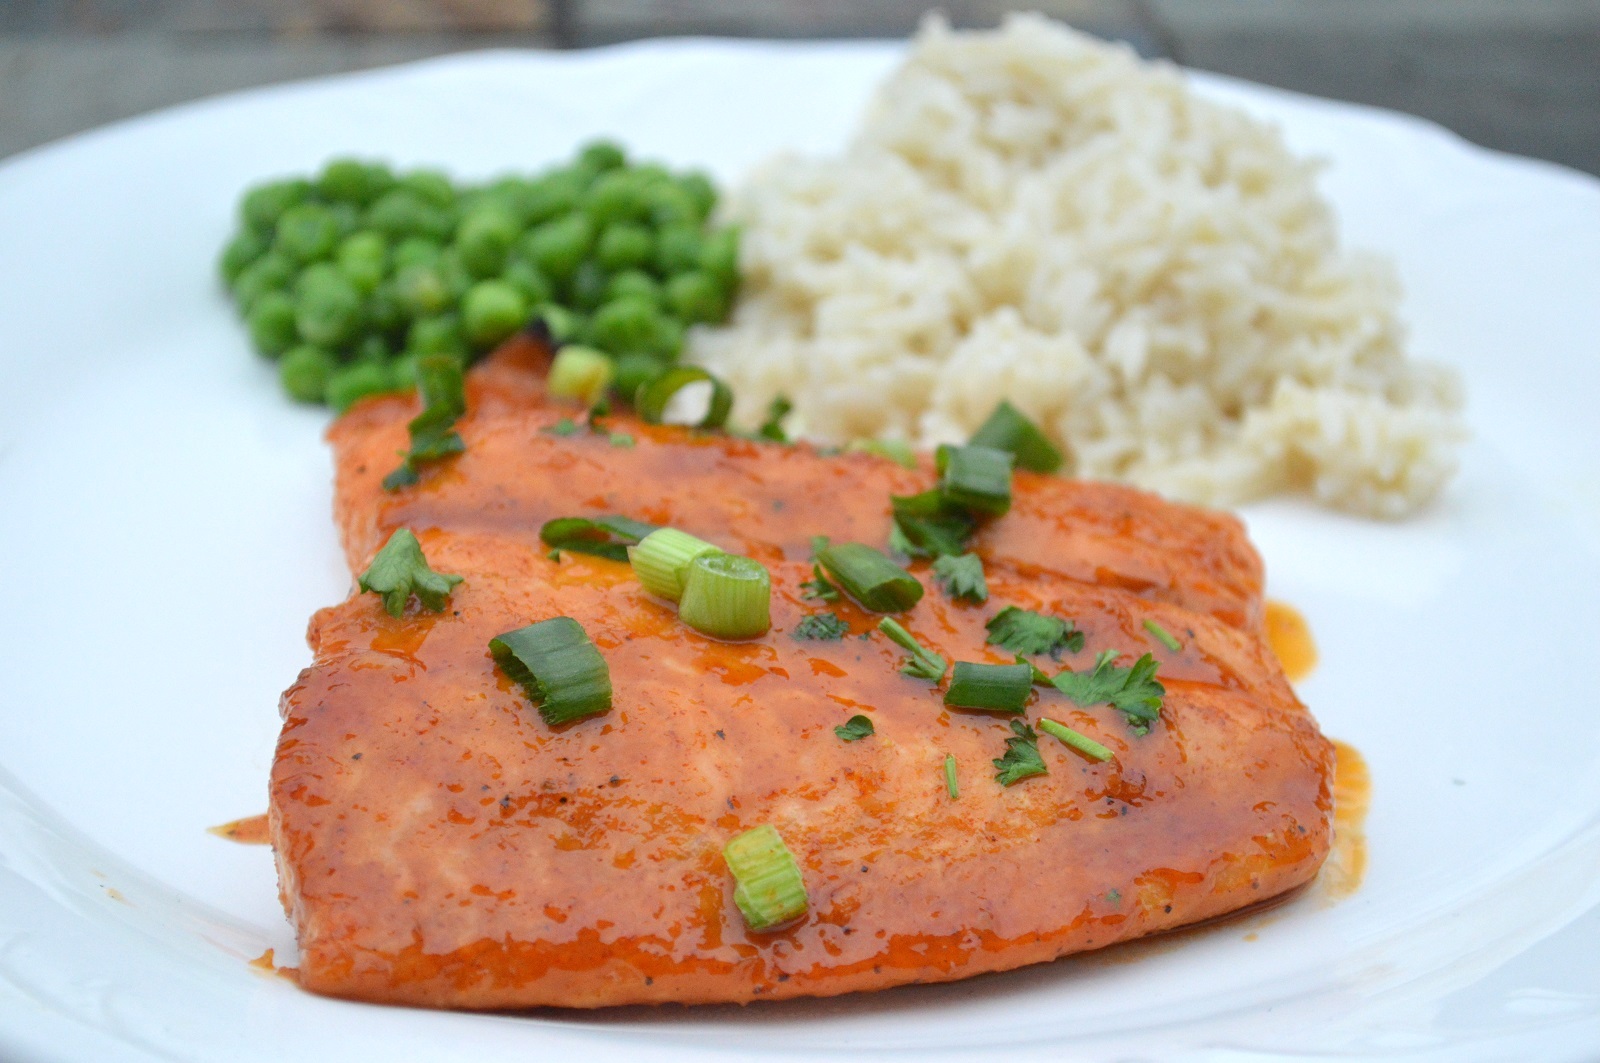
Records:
x=438, y=844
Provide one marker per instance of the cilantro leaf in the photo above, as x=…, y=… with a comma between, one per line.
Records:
x=772, y=427
x=824, y=627
x=564, y=427
x=924, y=663
x=441, y=385
x=1022, y=759
x=856, y=727
x=1020, y=631
x=962, y=576
x=1132, y=691
x=399, y=570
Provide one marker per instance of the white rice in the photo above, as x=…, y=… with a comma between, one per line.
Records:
x=1032, y=214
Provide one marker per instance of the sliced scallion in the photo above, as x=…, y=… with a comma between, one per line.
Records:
x=608, y=536
x=924, y=663
x=896, y=450
x=727, y=597
x=558, y=667
x=1081, y=742
x=950, y=776
x=662, y=557
x=651, y=401
x=580, y=373
x=1008, y=429
x=975, y=478
x=1163, y=636
x=874, y=581
x=768, y=887
x=989, y=687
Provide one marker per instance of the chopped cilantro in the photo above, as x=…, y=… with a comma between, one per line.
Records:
x=1020, y=631
x=1115, y=896
x=564, y=427
x=772, y=427
x=433, y=436
x=1022, y=758
x=1132, y=691
x=620, y=439
x=399, y=570
x=824, y=627
x=856, y=727
x=962, y=576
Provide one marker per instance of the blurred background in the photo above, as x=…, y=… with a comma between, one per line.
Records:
x=1518, y=75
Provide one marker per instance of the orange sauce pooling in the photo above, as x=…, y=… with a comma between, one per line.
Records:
x=1290, y=638
x=251, y=830
x=1352, y=795
x=264, y=962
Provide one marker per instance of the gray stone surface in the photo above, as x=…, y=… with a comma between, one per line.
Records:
x=1519, y=75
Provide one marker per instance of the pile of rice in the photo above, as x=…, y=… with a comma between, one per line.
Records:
x=1034, y=215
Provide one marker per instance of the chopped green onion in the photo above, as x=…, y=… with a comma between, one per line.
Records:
x=581, y=373
x=1081, y=742
x=662, y=557
x=896, y=450
x=558, y=667
x=651, y=401
x=950, y=776
x=924, y=663
x=926, y=526
x=1021, y=760
x=772, y=427
x=607, y=537
x=962, y=576
x=990, y=687
x=1008, y=429
x=818, y=587
x=874, y=581
x=768, y=887
x=399, y=570
x=442, y=387
x=975, y=478
x=1163, y=636
x=727, y=597
x=854, y=729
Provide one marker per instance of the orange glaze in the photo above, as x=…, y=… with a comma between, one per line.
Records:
x=438, y=844
x=264, y=962
x=251, y=830
x=1290, y=638
x=1352, y=796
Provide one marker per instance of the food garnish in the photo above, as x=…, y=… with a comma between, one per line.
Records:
x=1163, y=636
x=768, y=887
x=950, y=776
x=924, y=663
x=1023, y=632
x=1021, y=759
x=962, y=576
x=989, y=687
x=661, y=560
x=976, y=479
x=772, y=428
x=824, y=627
x=1133, y=691
x=558, y=667
x=1008, y=429
x=924, y=526
x=399, y=570
x=433, y=435
x=854, y=729
x=651, y=399
x=727, y=596
x=580, y=373
x=876, y=583
x=1081, y=742
x=609, y=536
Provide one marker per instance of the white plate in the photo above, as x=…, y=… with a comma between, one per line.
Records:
x=165, y=533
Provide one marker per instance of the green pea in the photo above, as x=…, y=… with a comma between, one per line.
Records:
x=404, y=370
x=264, y=204
x=695, y=297
x=669, y=338
x=602, y=155
x=587, y=288
x=625, y=245
x=553, y=195
x=373, y=348
x=527, y=279
x=636, y=284
x=491, y=311
x=269, y=273
x=384, y=313
x=272, y=324
x=433, y=186
x=671, y=205
x=651, y=175
x=328, y=309
x=402, y=212
x=563, y=325
x=363, y=258
x=246, y=247
x=557, y=247
x=616, y=196
x=353, y=181
x=307, y=232
x=422, y=290
x=440, y=334
x=355, y=382
x=484, y=238
x=625, y=326
x=304, y=372
x=347, y=216
x=415, y=251
x=719, y=255
x=633, y=371
x=701, y=190
x=677, y=249
x=456, y=277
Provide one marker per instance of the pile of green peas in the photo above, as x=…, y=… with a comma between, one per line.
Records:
x=346, y=278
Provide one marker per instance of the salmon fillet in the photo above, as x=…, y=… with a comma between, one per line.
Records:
x=437, y=844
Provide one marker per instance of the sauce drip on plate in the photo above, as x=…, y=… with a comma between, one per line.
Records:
x=1290, y=638
x=1352, y=794
x=251, y=830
